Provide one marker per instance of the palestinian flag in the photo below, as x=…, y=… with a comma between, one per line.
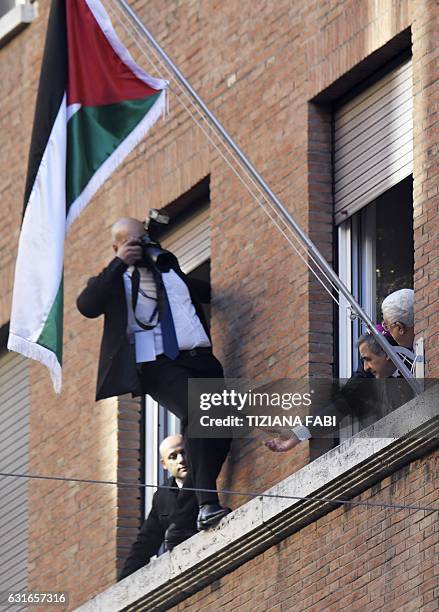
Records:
x=94, y=105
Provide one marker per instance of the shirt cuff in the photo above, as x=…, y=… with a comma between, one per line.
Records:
x=301, y=432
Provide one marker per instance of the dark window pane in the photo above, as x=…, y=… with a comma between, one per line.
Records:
x=394, y=241
x=202, y=272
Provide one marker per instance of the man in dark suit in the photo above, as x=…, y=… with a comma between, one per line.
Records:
x=155, y=339
x=159, y=526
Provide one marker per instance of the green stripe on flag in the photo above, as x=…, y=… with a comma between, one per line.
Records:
x=94, y=133
x=51, y=336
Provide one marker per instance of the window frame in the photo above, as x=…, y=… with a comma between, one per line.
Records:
x=14, y=454
x=356, y=257
x=357, y=262
x=18, y=17
x=355, y=224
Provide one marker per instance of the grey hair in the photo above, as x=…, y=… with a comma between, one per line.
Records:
x=399, y=306
x=371, y=343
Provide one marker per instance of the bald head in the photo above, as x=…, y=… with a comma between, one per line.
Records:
x=126, y=228
x=170, y=442
x=173, y=457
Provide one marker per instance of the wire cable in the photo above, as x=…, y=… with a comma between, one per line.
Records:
x=261, y=186
x=225, y=492
x=237, y=161
x=248, y=177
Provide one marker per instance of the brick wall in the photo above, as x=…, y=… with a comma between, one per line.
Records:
x=425, y=188
x=130, y=453
x=19, y=72
x=258, y=68
x=353, y=558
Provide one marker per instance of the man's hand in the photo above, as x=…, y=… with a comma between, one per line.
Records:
x=282, y=445
x=129, y=252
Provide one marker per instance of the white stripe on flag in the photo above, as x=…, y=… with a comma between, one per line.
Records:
x=39, y=267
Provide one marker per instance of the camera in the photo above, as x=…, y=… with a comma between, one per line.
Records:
x=153, y=256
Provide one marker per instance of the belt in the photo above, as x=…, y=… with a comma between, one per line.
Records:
x=200, y=350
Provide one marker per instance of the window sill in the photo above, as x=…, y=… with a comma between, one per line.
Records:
x=343, y=472
x=15, y=20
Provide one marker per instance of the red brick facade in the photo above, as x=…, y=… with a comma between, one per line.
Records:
x=353, y=558
x=261, y=67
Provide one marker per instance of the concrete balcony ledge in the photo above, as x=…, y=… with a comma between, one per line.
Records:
x=410, y=431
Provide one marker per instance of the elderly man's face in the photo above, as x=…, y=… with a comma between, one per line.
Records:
x=378, y=365
x=402, y=334
x=395, y=329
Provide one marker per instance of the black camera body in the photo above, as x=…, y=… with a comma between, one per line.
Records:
x=153, y=256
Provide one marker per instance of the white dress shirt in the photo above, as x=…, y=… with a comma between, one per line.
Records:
x=188, y=327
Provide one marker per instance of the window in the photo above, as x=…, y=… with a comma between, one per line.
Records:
x=373, y=158
x=376, y=251
x=188, y=238
x=14, y=451
x=376, y=258
x=14, y=16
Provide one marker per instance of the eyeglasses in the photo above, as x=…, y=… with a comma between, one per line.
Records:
x=386, y=327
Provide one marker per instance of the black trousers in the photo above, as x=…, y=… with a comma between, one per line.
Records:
x=166, y=381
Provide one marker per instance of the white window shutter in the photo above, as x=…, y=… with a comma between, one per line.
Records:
x=373, y=142
x=190, y=242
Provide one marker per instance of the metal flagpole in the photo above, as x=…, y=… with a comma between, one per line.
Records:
x=309, y=245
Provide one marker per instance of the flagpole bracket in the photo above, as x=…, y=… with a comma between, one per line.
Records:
x=353, y=316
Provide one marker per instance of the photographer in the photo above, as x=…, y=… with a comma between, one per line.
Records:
x=155, y=339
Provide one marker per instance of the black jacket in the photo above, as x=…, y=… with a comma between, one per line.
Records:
x=105, y=294
x=152, y=532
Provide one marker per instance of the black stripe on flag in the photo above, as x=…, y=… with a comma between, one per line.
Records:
x=53, y=83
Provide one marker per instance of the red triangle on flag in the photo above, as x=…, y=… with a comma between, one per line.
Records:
x=97, y=74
